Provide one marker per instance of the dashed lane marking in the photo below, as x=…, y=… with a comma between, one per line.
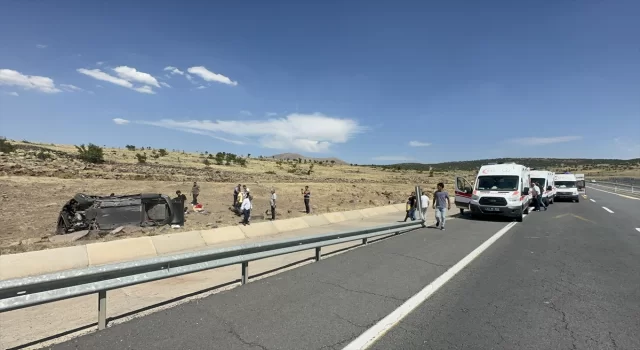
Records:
x=607, y=209
x=638, y=229
x=592, y=200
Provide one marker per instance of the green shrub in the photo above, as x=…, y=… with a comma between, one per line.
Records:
x=91, y=153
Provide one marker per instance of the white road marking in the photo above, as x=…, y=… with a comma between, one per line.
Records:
x=592, y=200
x=638, y=229
x=607, y=209
x=371, y=335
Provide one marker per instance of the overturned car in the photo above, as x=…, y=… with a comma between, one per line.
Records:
x=85, y=212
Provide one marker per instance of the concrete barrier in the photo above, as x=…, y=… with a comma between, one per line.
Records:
x=388, y=209
x=42, y=261
x=259, y=229
x=335, y=217
x=176, y=242
x=401, y=206
x=120, y=250
x=316, y=220
x=369, y=212
x=290, y=224
x=353, y=215
x=222, y=234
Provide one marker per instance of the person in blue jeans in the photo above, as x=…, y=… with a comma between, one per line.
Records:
x=441, y=204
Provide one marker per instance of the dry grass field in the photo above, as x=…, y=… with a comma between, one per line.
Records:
x=33, y=190
x=37, y=179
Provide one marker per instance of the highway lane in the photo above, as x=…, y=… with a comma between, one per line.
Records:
x=317, y=306
x=626, y=210
x=566, y=279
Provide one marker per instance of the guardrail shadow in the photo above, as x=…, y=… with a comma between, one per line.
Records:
x=92, y=326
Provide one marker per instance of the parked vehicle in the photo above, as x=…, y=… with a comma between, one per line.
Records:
x=547, y=184
x=500, y=189
x=580, y=182
x=566, y=187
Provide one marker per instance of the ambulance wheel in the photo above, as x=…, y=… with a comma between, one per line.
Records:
x=461, y=211
x=521, y=216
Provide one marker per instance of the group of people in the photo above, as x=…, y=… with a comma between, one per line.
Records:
x=440, y=204
x=536, y=193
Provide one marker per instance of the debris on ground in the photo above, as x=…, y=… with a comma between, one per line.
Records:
x=68, y=238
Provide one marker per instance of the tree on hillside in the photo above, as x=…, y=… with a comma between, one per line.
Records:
x=130, y=147
x=90, y=154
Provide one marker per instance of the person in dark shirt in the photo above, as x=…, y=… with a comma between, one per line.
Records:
x=411, y=207
x=306, y=193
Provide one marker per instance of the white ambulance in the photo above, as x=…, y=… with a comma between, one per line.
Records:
x=566, y=187
x=500, y=189
x=545, y=179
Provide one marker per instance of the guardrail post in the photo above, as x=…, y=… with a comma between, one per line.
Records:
x=318, y=254
x=245, y=272
x=102, y=309
x=365, y=241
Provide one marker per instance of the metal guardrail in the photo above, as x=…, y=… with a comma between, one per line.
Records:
x=617, y=188
x=36, y=290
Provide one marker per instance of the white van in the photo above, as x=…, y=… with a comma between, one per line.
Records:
x=547, y=187
x=500, y=189
x=566, y=187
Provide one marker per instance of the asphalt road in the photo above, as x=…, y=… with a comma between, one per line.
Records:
x=565, y=278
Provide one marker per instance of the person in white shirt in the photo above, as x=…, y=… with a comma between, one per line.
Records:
x=246, y=208
x=424, y=202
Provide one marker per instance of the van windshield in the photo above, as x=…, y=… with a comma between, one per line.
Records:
x=565, y=184
x=539, y=181
x=498, y=183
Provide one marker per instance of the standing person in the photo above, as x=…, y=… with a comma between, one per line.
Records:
x=195, y=192
x=535, y=192
x=440, y=197
x=541, y=197
x=236, y=190
x=239, y=201
x=411, y=207
x=306, y=194
x=424, y=202
x=246, y=208
x=272, y=201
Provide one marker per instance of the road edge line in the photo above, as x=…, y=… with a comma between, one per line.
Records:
x=371, y=335
x=617, y=194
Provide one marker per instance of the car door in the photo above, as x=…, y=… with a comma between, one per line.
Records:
x=464, y=191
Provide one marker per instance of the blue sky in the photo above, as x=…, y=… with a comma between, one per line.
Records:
x=369, y=82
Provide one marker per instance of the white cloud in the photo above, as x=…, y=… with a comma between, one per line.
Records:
x=201, y=87
x=28, y=82
x=120, y=121
x=134, y=75
x=247, y=113
x=271, y=114
x=70, y=88
x=99, y=63
x=302, y=132
x=173, y=70
x=13, y=93
x=41, y=46
x=208, y=75
x=538, y=141
x=393, y=158
x=419, y=144
x=190, y=78
x=165, y=84
x=100, y=75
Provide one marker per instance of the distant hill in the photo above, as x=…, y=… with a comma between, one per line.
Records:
x=538, y=163
x=292, y=156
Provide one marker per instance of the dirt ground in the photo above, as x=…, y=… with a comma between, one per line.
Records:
x=33, y=188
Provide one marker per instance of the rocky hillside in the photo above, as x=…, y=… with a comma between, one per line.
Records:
x=293, y=156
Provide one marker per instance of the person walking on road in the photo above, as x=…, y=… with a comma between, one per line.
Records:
x=195, y=192
x=272, y=201
x=424, y=203
x=411, y=207
x=306, y=194
x=541, y=197
x=440, y=198
x=246, y=208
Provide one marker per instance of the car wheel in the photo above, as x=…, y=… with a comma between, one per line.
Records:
x=461, y=211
